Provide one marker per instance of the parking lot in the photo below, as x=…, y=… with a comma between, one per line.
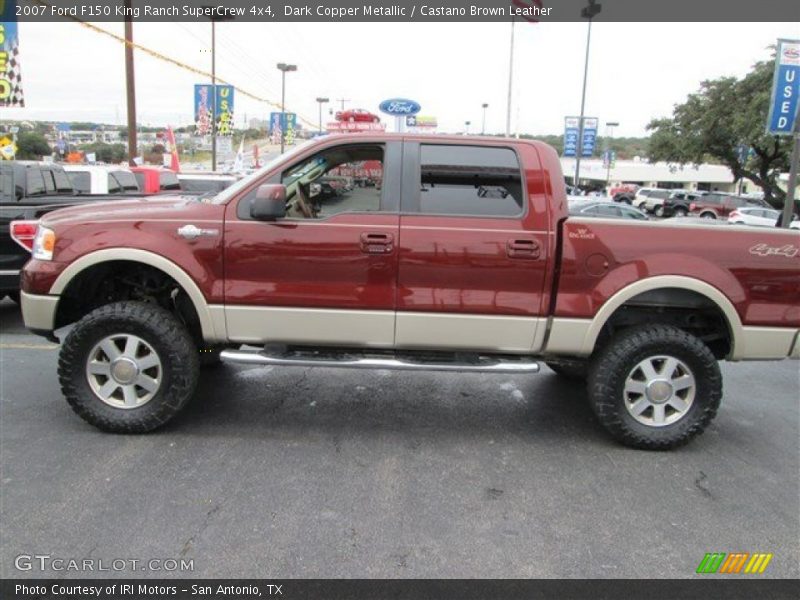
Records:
x=321, y=473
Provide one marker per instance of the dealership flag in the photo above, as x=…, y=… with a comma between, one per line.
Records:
x=10, y=77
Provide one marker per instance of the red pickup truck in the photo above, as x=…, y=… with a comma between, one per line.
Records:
x=464, y=259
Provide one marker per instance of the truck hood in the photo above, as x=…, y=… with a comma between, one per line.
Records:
x=139, y=209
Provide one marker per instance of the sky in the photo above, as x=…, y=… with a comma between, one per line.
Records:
x=637, y=71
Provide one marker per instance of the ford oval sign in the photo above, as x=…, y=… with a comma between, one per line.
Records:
x=399, y=107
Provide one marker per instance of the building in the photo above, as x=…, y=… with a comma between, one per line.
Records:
x=660, y=174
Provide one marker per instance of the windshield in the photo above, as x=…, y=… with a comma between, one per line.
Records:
x=230, y=192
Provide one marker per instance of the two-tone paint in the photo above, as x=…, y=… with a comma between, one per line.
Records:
x=535, y=284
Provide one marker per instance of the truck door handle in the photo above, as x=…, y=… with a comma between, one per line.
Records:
x=523, y=249
x=377, y=243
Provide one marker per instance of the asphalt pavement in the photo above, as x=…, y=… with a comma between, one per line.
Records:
x=331, y=473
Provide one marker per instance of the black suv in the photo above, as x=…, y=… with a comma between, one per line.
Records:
x=678, y=204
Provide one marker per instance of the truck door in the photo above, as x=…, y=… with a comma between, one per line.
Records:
x=326, y=274
x=474, y=245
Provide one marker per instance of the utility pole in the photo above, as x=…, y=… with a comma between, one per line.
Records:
x=321, y=101
x=213, y=95
x=130, y=84
x=609, y=134
x=342, y=101
x=284, y=68
x=466, y=127
x=484, y=106
x=788, y=206
x=510, y=80
x=588, y=12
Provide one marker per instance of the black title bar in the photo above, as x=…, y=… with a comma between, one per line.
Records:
x=701, y=587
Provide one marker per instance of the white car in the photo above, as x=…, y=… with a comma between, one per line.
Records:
x=648, y=198
x=756, y=215
x=101, y=179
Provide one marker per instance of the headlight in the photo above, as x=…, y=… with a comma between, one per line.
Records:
x=43, y=244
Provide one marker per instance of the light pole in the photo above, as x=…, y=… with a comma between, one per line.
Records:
x=214, y=20
x=484, y=106
x=609, y=134
x=510, y=80
x=588, y=12
x=130, y=85
x=321, y=102
x=466, y=127
x=284, y=68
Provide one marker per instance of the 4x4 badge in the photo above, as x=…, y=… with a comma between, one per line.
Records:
x=764, y=250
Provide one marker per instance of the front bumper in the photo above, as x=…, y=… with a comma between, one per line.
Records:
x=39, y=313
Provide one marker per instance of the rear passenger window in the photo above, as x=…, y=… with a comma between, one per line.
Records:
x=81, y=182
x=35, y=182
x=6, y=186
x=470, y=180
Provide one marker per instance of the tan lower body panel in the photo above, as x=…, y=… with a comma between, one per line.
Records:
x=489, y=333
x=39, y=311
x=259, y=325
x=766, y=343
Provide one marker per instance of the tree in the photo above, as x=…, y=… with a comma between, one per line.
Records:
x=106, y=153
x=714, y=123
x=32, y=146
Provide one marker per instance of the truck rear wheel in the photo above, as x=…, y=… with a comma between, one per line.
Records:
x=128, y=367
x=655, y=387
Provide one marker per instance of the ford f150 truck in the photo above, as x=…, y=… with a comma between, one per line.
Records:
x=464, y=259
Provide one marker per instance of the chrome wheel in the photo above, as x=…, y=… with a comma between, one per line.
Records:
x=659, y=391
x=124, y=371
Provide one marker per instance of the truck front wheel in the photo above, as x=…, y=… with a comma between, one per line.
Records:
x=655, y=387
x=128, y=367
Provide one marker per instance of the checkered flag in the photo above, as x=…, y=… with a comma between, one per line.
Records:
x=12, y=79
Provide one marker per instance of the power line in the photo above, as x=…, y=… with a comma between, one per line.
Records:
x=174, y=62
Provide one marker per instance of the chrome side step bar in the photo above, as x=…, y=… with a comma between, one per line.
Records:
x=480, y=364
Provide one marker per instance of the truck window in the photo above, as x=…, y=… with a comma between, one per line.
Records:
x=34, y=181
x=470, y=181
x=6, y=186
x=342, y=179
x=140, y=180
x=113, y=185
x=81, y=181
x=62, y=182
x=167, y=180
x=126, y=180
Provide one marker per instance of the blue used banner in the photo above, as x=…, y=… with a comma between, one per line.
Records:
x=785, y=88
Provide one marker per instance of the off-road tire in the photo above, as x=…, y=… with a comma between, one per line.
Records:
x=708, y=215
x=681, y=212
x=658, y=211
x=575, y=371
x=159, y=328
x=612, y=364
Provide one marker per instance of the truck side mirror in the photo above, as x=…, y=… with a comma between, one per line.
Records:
x=269, y=203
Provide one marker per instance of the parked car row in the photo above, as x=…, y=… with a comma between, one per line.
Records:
x=31, y=189
x=759, y=217
x=750, y=209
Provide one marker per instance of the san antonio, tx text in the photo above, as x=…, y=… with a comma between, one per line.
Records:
x=124, y=589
